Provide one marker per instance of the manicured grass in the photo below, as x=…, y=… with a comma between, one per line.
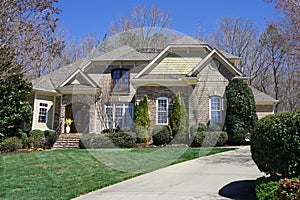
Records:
x=65, y=174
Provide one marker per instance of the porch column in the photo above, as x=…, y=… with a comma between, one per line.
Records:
x=62, y=118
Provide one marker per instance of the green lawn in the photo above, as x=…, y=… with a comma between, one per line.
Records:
x=65, y=174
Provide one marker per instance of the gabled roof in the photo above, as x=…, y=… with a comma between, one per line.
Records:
x=78, y=72
x=187, y=40
x=217, y=53
x=124, y=53
x=262, y=97
x=49, y=82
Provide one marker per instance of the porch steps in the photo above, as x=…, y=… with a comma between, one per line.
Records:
x=67, y=141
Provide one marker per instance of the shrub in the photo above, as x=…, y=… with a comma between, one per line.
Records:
x=240, y=113
x=142, y=134
x=95, y=141
x=196, y=128
x=50, y=137
x=209, y=139
x=289, y=189
x=123, y=139
x=109, y=130
x=142, y=120
x=37, y=139
x=161, y=135
x=110, y=140
x=275, y=144
x=11, y=144
x=266, y=188
x=198, y=139
x=214, y=127
x=179, y=120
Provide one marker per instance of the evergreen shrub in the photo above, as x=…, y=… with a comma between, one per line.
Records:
x=11, y=144
x=240, y=113
x=161, y=135
x=275, y=144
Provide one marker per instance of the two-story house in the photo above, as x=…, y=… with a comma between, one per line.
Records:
x=101, y=92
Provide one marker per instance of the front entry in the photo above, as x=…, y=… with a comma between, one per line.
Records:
x=80, y=114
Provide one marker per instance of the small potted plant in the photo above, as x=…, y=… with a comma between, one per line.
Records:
x=68, y=123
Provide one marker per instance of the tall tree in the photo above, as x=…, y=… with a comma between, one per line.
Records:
x=239, y=38
x=28, y=27
x=145, y=29
x=14, y=107
x=290, y=25
x=274, y=51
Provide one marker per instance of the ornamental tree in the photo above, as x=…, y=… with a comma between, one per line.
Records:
x=240, y=113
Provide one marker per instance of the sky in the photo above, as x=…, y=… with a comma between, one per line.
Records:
x=81, y=17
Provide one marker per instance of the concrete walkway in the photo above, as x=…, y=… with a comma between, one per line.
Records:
x=228, y=175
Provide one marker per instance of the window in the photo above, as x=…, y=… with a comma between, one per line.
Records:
x=162, y=111
x=118, y=115
x=43, y=112
x=120, y=80
x=215, y=110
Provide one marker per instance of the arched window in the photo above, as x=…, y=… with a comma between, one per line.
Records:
x=120, y=81
x=215, y=109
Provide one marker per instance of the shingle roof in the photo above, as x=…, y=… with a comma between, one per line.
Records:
x=187, y=40
x=228, y=55
x=52, y=80
x=262, y=97
x=123, y=53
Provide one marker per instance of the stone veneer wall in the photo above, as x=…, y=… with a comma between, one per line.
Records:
x=153, y=92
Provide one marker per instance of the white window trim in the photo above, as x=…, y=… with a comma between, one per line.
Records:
x=46, y=112
x=221, y=107
x=167, y=111
x=114, y=106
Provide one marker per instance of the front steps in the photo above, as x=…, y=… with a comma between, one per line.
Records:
x=67, y=141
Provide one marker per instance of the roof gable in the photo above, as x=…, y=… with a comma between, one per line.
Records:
x=215, y=53
x=78, y=78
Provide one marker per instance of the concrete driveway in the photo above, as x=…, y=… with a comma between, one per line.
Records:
x=228, y=175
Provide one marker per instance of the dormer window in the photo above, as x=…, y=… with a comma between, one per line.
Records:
x=120, y=81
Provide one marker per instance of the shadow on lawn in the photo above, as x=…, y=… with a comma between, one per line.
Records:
x=239, y=190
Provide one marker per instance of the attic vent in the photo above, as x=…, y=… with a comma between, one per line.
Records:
x=149, y=50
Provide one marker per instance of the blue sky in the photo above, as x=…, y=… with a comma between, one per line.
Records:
x=81, y=17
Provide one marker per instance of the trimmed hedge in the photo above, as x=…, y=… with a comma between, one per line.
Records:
x=11, y=144
x=275, y=144
x=210, y=139
x=123, y=139
x=161, y=135
x=119, y=139
x=95, y=141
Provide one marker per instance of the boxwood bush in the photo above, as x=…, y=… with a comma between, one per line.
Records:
x=50, y=138
x=275, y=144
x=161, y=135
x=209, y=139
x=116, y=139
x=11, y=144
x=123, y=139
x=95, y=141
x=37, y=139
